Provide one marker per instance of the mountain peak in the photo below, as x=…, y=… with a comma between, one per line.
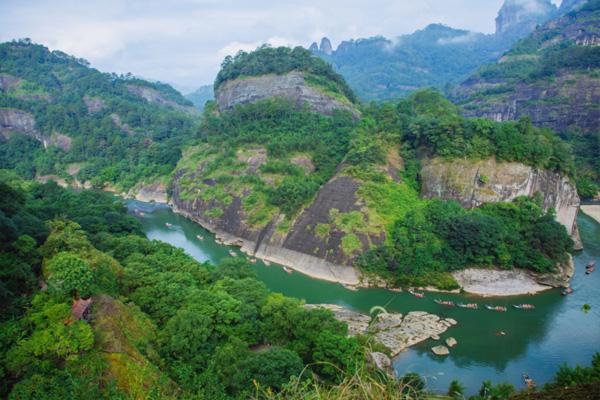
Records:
x=325, y=46
x=518, y=15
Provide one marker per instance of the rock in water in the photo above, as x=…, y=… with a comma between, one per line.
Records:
x=451, y=342
x=440, y=350
x=392, y=330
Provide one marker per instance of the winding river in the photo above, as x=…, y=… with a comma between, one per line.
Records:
x=536, y=341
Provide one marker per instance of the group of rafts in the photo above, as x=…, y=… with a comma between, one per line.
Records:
x=524, y=306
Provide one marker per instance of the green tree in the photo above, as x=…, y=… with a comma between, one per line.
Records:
x=70, y=275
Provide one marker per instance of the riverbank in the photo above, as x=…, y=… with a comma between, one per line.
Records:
x=593, y=210
x=479, y=282
x=306, y=264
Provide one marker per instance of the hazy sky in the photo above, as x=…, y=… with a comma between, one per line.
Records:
x=183, y=42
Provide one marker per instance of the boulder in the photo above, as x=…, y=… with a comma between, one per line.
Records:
x=382, y=362
x=440, y=350
x=451, y=342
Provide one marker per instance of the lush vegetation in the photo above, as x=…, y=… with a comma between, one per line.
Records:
x=276, y=154
x=124, y=140
x=280, y=60
x=426, y=239
x=162, y=324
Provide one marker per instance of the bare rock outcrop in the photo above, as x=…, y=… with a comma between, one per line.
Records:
x=395, y=331
x=291, y=86
x=151, y=192
x=473, y=183
x=153, y=96
x=17, y=121
x=93, y=104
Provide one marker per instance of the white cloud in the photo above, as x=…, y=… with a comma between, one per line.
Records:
x=183, y=42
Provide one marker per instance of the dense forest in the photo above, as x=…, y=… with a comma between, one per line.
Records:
x=269, y=60
x=157, y=324
x=114, y=134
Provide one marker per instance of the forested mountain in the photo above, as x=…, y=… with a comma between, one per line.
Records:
x=60, y=117
x=553, y=78
x=379, y=68
x=324, y=187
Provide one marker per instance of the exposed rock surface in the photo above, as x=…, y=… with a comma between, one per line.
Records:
x=299, y=248
x=8, y=82
x=556, y=96
x=461, y=180
x=152, y=95
x=152, y=192
x=326, y=46
x=393, y=330
x=116, y=119
x=440, y=350
x=13, y=120
x=383, y=362
x=451, y=342
x=93, y=104
x=568, y=100
x=291, y=86
x=491, y=282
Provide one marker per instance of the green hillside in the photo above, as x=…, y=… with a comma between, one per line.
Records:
x=101, y=127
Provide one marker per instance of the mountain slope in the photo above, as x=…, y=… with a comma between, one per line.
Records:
x=60, y=117
x=551, y=77
x=327, y=193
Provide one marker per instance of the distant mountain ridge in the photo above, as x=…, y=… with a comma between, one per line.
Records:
x=379, y=68
x=201, y=95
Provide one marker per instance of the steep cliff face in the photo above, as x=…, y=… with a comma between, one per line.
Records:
x=569, y=100
x=523, y=15
x=551, y=76
x=21, y=122
x=474, y=183
x=302, y=246
x=292, y=86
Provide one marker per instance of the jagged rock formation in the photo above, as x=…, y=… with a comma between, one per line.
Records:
x=326, y=46
x=291, y=86
x=393, y=330
x=523, y=15
x=21, y=122
x=474, y=183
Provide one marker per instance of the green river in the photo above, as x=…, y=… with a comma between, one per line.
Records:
x=536, y=342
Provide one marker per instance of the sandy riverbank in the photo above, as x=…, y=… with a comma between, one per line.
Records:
x=593, y=210
x=488, y=282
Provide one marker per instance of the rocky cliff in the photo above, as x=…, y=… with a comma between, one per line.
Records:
x=474, y=183
x=300, y=247
x=550, y=77
x=292, y=86
x=21, y=122
x=154, y=96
